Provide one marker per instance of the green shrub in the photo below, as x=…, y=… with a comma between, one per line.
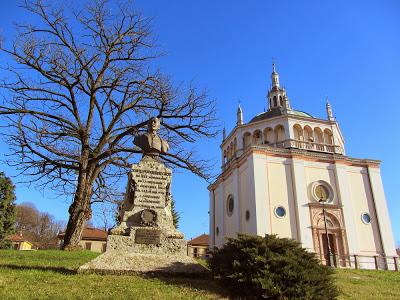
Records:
x=271, y=268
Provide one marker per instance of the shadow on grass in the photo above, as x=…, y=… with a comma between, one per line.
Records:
x=191, y=276
x=61, y=270
x=201, y=283
x=187, y=275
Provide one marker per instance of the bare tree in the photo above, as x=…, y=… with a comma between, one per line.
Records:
x=104, y=215
x=82, y=84
x=41, y=228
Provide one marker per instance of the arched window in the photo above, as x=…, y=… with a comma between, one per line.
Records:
x=280, y=100
x=279, y=133
x=328, y=137
x=319, y=139
x=298, y=132
x=230, y=205
x=257, y=139
x=246, y=140
x=308, y=134
x=275, y=103
x=268, y=135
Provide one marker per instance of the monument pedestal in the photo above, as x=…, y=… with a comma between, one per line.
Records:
x=146, y=241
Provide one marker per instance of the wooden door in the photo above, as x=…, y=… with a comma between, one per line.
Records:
x=325, y=248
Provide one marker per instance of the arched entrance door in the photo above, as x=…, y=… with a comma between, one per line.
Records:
x=336, y=237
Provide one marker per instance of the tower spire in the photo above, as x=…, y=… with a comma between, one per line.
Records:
x=274, y=76
x=239, y=116
x=329, y=110
x=276, y=95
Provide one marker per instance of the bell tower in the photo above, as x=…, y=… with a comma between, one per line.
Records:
x=274, y=77
x=276, y=95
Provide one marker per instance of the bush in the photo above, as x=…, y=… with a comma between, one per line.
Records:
x=271, y=268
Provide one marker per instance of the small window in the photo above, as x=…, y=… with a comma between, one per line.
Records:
x=88, y=246
x=366, y=218
x=230, y=205
x=247, y=215
x=217, y=231
x=195, y=252
x=280, y=211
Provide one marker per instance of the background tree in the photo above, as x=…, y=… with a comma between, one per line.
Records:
x=40, y=228
x=175, y=214
x=7, y=210
x=82, y=84
x=104, y=215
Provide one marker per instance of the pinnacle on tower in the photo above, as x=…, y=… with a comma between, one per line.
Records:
x=239, y=116
x=224, y=134
x=274, y=76
x=329, y=110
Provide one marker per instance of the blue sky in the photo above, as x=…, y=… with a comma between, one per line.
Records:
x=346, y=50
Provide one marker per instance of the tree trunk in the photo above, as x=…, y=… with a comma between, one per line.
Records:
x=80, y=210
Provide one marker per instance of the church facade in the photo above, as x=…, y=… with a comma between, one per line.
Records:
x=282, y=169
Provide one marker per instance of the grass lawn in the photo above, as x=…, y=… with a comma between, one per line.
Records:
x=52, y=275
x=368, y=284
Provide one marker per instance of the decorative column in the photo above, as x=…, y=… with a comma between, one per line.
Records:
x=382, y=214
x=211, y=216
x=302, y=208
x=259, y=190
x=344, y=198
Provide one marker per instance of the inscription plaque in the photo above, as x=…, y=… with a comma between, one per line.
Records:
x=151, y=186
x=147, y=236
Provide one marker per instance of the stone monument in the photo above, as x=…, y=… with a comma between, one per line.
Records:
x=146, y=240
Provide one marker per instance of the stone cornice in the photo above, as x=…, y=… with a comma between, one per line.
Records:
x=293, y=153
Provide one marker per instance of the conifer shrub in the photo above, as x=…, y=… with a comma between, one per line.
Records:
x=7, y=210
x=254, y=267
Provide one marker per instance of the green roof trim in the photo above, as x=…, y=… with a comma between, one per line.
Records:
x=277, y=112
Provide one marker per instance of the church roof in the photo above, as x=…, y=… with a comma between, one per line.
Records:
x=89, y=234
x=274, y=112
x=200, y=240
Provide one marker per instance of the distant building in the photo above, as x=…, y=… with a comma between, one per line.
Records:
x=198, y=246
x=279, y=171
x=19, y=242
x=93, y=239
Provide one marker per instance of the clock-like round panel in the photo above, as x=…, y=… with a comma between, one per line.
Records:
x=322, y=192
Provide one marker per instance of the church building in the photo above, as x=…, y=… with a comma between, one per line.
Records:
x=283, y=169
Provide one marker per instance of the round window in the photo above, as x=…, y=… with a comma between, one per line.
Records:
x=247, y=215
x=280, y=211
x=366, y=218
x=230, y=205
x=321, y=191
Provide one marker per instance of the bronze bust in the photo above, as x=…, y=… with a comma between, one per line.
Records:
x=151, y=143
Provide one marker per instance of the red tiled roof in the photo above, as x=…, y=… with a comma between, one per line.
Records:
x=90, y=234
x=200, y=240
x=17, y=238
